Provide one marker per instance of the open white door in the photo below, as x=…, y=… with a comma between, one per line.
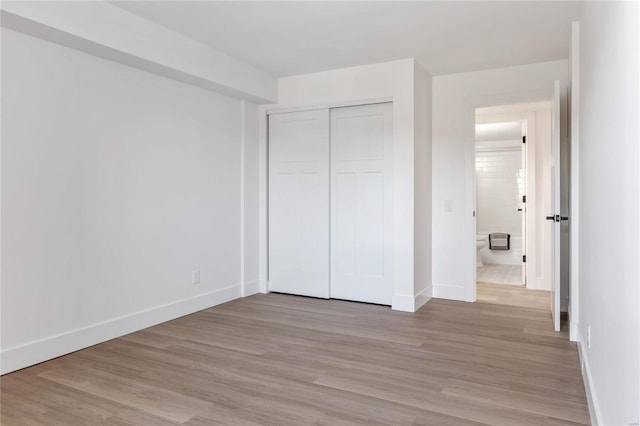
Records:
x=555, y=206
x=522, y=191
x=299, y=203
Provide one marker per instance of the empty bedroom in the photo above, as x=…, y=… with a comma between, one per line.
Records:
x=319, y=213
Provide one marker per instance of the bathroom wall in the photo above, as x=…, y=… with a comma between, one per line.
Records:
x=498, y=188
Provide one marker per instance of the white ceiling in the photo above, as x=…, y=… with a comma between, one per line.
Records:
x=288, y=38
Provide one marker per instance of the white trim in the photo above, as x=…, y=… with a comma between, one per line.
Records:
x=283, y=110
x=592, y=401
x=403, y=302
x=423, y=297
x=251, y=288
x=263, y=197
x=451, y=292
x=31, y=353
x=407, y=303
x=243, y=124
x=574, y=334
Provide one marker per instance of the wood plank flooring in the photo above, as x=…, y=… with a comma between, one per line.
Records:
x=285, y=360
x=512, y=295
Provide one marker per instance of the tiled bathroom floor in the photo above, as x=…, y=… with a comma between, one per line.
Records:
x=500, y=274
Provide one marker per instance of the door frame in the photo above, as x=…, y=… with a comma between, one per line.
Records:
x=510, y=98
x=528, y=117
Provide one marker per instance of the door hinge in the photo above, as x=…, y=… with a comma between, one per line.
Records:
x=524, y=139
x=524, y=258
x=524, y=198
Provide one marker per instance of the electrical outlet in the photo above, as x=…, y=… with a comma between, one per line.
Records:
x=589, y=336
x=195, y=276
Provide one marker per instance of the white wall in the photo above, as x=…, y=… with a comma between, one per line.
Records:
x=455, y=98
x=116, y=183
x=422, y=190
x=499, y=185
x=389, y=81
x=574, y=136
x=250, y=202
x=609, y=246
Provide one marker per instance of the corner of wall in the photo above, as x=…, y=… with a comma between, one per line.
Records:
x=250, y=288
x=423, y=297
x=250, y=199
x=408, y=303
x=422, y=185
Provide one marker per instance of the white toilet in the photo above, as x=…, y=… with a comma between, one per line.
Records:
x=481, y=242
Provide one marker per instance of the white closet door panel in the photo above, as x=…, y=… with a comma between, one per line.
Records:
x=343, y=260
x=361, y=203
x=372, y=225
x=299, y=203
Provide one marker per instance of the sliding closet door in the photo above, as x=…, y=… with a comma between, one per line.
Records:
x=361, y=203
x=299, y=203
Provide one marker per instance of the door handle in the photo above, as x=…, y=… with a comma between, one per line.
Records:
x=557, y=218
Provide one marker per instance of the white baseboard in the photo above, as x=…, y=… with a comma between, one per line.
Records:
x=423, y=297
x=592, y=400
x=402, y=302
x=31, y=353
x=264, y=286
x=407, y=303
x=251, y=287
x=451, y=292
x=573, y=331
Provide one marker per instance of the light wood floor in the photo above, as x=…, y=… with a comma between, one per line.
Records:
x=512, y=295
x=285, y=360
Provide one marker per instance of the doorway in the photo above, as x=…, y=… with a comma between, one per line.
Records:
x=512, y=193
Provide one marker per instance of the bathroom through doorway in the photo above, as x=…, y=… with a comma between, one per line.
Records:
x=513, y=252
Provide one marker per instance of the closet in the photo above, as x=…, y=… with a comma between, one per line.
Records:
x=330, y=203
